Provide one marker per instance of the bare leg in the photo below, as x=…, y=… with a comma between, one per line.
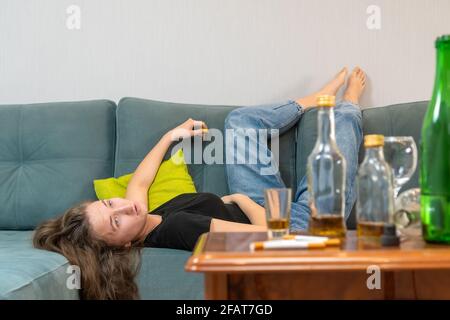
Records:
x=331, y=88
x=348, y=122
x=251, y=179
x=356, y=85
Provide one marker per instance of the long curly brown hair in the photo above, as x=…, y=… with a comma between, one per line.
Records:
x=106, y=272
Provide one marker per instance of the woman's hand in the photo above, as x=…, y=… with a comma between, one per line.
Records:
x=227, y=199
x=254, y=212
x=232, y=198
x=188, y=129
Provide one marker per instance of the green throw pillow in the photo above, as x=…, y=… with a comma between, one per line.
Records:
x=172, y=179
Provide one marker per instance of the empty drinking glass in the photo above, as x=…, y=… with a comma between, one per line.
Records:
x=401, y=154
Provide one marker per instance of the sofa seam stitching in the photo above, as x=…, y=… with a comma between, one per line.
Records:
x=117, y=139
x=114, y=142
x=19, y=133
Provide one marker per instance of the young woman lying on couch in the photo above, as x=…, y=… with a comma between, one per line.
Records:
x=103, y=237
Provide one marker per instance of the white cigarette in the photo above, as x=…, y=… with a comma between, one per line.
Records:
x=306, y=238
x=286, y=244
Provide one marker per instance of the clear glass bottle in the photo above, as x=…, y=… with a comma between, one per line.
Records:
x=326, y=176
x=375, y=194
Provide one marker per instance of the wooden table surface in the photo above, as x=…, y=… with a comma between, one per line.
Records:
x=226, y=260
x=231, y=252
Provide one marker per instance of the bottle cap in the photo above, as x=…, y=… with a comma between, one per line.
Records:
x=326, y=101
x=389, y=237
x=373, y=140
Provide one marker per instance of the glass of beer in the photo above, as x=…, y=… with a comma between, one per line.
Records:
x=278, y=211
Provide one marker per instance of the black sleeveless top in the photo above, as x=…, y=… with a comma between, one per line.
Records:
x=187, y=216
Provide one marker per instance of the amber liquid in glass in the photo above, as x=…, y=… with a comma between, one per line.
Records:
x=327, y=226
x=369, y=229
x=278, y=224
x=277, y=228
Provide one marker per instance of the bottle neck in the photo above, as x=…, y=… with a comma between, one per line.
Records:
x=375, y=153
x=442, y=81
x=326, y=125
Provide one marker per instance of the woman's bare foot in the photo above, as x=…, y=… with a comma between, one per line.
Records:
x=331, y=88
x=356, y=85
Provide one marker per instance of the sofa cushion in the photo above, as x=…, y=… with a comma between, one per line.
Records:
x=141, y=123
x=49, y=155
x=29, y=273
x=162, y=276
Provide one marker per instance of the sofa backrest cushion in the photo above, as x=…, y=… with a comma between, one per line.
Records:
x=141, y=123
x=49, y=155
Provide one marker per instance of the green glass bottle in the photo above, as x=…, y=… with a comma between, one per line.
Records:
x=435, y=153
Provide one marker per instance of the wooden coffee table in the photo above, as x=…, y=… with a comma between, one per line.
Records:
x=414, y=271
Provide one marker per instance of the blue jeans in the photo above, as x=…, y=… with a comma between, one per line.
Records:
x=246, y=178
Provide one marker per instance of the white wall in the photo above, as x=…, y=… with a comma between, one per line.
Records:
x=215, y=51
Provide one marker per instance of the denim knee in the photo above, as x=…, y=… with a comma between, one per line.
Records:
x=349, y=114
x=239, y=118
x=348, y=110
x=231, y=119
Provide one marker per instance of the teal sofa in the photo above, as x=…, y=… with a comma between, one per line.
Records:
x=51, y=152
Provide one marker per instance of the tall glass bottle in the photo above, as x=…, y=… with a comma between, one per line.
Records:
x=435, y=153
x=375, y=200
x=326, y=176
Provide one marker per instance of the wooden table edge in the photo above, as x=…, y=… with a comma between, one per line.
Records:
x=230, y=263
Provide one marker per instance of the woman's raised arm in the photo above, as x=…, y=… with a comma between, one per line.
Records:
x=146, y=171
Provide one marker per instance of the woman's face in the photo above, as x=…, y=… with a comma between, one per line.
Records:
x=117, y=221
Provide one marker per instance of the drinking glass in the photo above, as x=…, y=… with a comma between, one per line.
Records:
x=407, y=214
x=278, y=211
x=401, y=154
